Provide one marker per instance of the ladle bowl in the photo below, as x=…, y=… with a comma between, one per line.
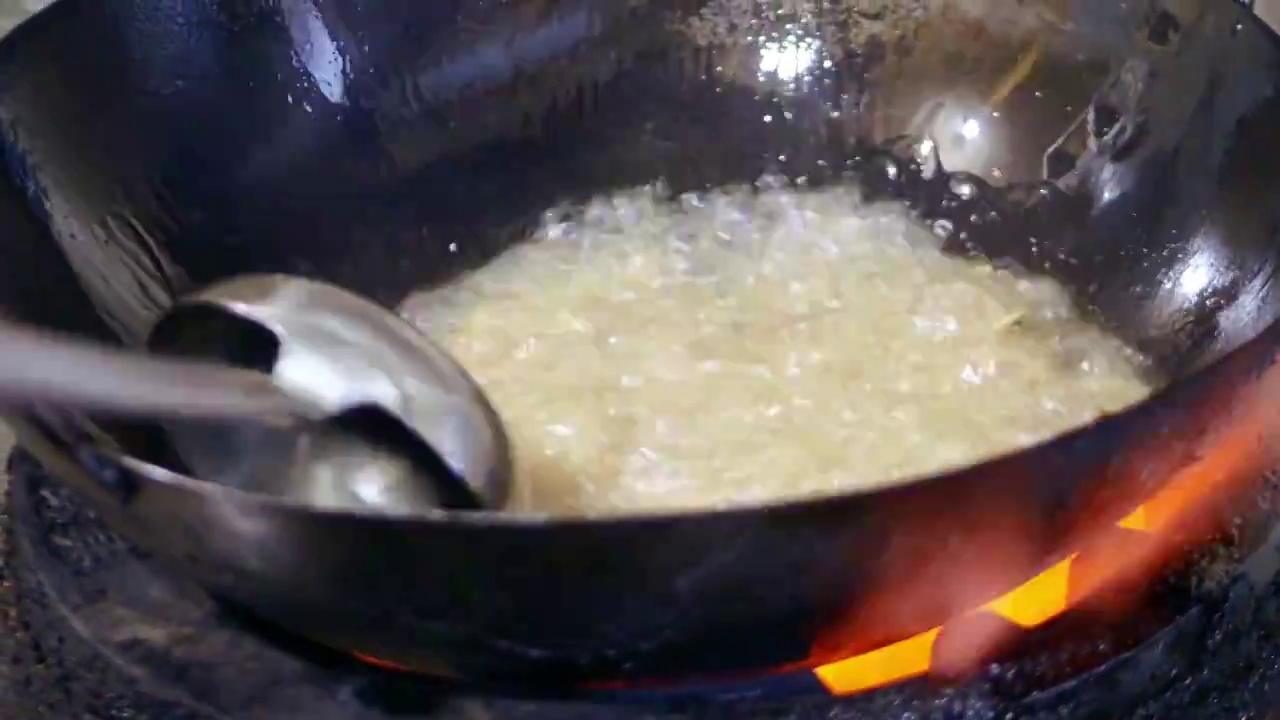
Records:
x=370, y=373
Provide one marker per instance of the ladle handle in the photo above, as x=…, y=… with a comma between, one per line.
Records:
x=39, y=367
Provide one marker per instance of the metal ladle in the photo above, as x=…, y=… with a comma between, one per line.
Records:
x=291, y=387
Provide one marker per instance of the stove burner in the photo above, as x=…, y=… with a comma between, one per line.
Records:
x=95, y=631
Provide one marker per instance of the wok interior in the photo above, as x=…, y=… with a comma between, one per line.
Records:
x=1091, y=149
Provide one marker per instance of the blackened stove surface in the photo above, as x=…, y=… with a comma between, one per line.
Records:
x=93, y=631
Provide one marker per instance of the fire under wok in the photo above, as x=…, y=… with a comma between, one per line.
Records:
x=1129, y=151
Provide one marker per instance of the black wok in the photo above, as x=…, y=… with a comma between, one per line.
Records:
x=1130, y=149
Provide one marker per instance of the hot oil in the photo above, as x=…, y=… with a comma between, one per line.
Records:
x=762, y=343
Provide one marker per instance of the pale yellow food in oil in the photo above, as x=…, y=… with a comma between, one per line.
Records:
x=742, y=347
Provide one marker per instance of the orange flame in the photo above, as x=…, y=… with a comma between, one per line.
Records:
x=1240, y=453
x=381, y=664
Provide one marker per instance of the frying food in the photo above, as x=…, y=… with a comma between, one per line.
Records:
x=747, y=345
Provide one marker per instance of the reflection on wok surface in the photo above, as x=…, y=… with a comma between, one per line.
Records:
x=1067, y=124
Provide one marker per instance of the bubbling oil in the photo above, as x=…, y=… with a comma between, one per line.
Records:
x=761, y=344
